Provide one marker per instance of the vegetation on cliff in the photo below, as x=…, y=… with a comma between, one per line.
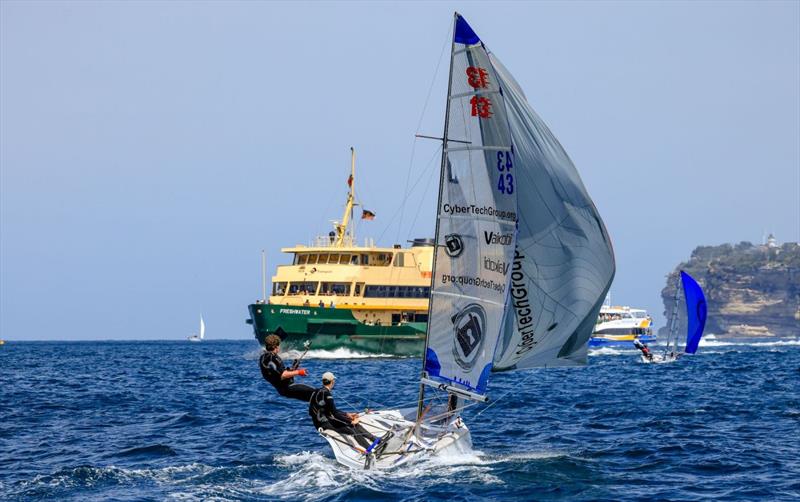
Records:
x=750, y=290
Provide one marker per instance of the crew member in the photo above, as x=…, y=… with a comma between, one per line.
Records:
x=325, y=415
x=274, y=372
x=645, y=351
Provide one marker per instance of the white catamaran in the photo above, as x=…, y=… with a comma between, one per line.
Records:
x=522, y=263
x=202, y=335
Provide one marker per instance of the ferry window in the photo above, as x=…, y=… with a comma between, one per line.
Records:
x=312, y=259
x=323, y=259
x=398, y=260
x=301, y=259
x=395, y=292
x=335, y=288
x=334, y=258
x=278, y=288
x=359, y=285
x=303, y=288
x=344, y=259
x=364, y=260
x=421, y=318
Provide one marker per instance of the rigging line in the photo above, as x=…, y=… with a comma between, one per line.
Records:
x=525, y=381
x=424, y=193
x=405, y=198
x=419, y=125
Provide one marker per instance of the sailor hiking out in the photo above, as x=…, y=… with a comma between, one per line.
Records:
x=326, y=416
x=274, y=371
x=645, y=351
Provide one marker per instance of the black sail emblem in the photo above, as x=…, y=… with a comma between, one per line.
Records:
x=468, y=327
x=453, y=245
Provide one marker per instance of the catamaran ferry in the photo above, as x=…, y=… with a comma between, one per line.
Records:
x=336, y=293
x=621, y=326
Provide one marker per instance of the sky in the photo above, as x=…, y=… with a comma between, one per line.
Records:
x=150, y=150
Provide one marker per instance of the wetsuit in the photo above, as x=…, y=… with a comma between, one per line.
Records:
x=325, y=416
x=645, y=351
x=272, y=368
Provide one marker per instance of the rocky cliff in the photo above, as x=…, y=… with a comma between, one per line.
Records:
x=750, y=290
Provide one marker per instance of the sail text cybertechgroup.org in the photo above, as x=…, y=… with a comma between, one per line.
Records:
x=474, y=210
x=463, y=280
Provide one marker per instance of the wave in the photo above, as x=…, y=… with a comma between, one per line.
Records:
x=340, y=353
x=714, y=342
x=611, y=351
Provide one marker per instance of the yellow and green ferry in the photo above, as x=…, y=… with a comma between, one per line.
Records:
x=336, y=293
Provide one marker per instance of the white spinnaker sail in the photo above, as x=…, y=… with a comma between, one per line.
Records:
x=564, y=261
x=202, y=328
x=476, y=222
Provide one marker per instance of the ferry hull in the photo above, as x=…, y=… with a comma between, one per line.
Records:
x=619, y=340
x=334, y=328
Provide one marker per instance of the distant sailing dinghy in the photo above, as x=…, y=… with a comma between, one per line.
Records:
x=522, y=262
x=202, y=335
x=696, y=313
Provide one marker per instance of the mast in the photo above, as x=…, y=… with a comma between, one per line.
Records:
x=263, y=276
x=341, y=228
x=674, y=317
x=442, y=171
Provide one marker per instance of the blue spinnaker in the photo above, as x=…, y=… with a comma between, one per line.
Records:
x=695, y=311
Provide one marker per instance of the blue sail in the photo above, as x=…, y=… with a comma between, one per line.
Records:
x=696, y=311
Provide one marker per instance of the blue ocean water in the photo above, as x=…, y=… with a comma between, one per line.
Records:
x=175, y=420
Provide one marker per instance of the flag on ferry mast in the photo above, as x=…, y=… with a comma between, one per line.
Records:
x=366, y=214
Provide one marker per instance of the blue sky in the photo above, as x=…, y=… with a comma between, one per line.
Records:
x=150, y=150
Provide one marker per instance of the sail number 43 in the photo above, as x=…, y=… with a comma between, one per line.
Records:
x=505, y=181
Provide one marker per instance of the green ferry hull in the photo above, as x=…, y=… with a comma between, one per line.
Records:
x=332, y=328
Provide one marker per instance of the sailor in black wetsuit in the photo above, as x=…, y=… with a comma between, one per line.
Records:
x=645, y=351
x=325, y=415
x=274, y=372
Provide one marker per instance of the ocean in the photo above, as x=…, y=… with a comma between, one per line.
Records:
x=186, y=421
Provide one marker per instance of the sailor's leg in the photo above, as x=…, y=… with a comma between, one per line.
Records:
x=361, y=435
x=299, y=391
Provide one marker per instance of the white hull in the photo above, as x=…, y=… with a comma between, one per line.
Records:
x=195, y=339
x=430, y=438
x=660, y=358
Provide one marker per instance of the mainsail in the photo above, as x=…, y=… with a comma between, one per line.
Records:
x=696, y=312
x=523, y=260
x=476, y=223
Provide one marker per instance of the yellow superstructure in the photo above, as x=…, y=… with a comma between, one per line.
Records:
x=380, y=285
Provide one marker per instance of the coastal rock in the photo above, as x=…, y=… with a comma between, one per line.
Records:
x=751, y=291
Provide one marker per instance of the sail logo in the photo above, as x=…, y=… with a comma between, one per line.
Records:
x=469, y=326
x=498, y=266
x=453, y=245
x=502, y=239
x=522, y=306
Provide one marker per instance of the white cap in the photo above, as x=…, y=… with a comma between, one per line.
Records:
x=328, y=377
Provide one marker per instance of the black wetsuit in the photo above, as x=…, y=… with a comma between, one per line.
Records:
x=325, y=416
x=272, y=368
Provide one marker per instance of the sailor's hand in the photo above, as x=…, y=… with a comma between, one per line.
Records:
x=302, y=372
x=354, y=419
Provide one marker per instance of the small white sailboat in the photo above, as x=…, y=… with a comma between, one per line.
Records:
x=202, y=335
x=522, y=262
x=696, y=312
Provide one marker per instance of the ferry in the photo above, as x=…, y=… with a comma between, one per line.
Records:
x=336, y=293
x=621, y=326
